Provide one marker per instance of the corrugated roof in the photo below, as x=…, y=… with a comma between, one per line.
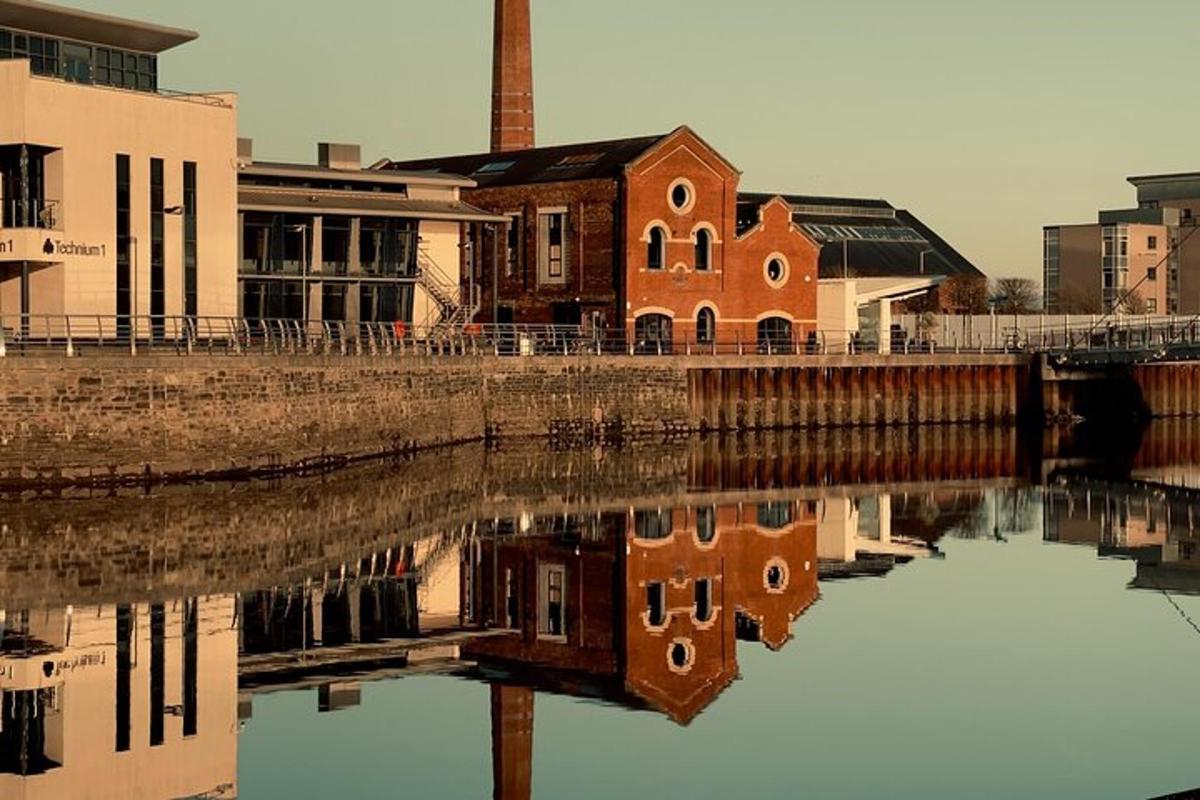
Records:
x=356, y=203
x=571, y=162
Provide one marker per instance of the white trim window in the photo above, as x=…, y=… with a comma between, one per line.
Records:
x=553, y=247
x=552, y=593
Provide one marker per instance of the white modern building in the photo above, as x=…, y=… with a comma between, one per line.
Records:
x=117, y=198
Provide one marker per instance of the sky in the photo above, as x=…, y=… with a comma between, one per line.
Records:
x=988, y=120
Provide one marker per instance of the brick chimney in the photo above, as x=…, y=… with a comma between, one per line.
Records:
x=512, y=78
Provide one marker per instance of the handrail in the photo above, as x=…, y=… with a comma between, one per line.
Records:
x=90, y=335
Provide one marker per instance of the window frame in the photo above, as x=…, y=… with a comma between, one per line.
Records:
x=553, y=267
x=547, y=573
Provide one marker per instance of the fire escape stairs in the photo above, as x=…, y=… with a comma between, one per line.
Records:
x=453, y=306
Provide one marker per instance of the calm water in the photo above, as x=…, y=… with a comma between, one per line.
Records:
x=947, y=614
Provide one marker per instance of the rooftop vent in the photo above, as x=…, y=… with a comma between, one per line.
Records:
x=339, y=156
x=245, y=153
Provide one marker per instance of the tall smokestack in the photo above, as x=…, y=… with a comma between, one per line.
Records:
x=512, y=78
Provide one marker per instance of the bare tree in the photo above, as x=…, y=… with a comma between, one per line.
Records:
x=1016, y=296
x=964, y=294
x=1075, y=301
x=1133, y=303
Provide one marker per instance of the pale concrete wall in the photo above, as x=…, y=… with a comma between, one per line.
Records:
x=837, y=313
x=440, y=241
x=92, y=124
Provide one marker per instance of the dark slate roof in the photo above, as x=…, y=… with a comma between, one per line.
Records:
x=871, y=237
x=570, y=162
x=305, y=201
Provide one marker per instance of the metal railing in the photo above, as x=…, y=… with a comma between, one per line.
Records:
x=84, y=335
x=1151, y=336
x=34, y=213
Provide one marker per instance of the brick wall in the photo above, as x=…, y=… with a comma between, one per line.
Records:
x=591, y=254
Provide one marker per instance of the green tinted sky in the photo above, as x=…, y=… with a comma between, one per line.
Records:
x=988, y=119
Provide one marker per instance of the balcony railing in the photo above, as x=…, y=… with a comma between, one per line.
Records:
x=39, y=214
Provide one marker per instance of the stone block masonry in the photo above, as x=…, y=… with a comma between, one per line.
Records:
x=119, y=419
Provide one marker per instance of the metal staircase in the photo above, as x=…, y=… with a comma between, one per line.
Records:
x=454, y=306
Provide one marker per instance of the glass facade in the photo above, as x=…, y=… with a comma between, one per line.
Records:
x=1115, y=264
x=158, y=674
x=331, y=267
x=158, y=248
x=79, y=62
x=1050, y=268
x=124, y=240
x=190, y=244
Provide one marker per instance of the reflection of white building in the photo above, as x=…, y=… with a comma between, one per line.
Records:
x=119, y=702
x=437, y=560
x=850, y=527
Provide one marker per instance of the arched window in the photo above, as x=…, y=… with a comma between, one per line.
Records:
x=654, y=524
x=706, y=326
x=653, y=333
x=656, y=250
x=775, y=516
x=704, y=600
x=706, y=524
x=656, y=604
x=775, y=335
x=703, y=250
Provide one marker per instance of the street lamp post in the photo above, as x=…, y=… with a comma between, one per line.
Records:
x=923, y=254
x=133, y=304
x=302, y=229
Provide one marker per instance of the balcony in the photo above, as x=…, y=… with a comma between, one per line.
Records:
x=36, y=213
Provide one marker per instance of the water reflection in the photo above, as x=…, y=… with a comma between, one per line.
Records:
x=141, y=698
x=628, y=579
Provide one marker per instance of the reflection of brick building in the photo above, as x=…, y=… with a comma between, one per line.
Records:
x=639, y=235
x=642, y=609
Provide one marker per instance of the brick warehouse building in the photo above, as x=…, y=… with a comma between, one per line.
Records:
x=648, y=238
x=638, y=236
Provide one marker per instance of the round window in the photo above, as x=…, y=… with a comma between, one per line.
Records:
x=679, y=655
x=776, y=270
x=681, y=196
x=775, y=575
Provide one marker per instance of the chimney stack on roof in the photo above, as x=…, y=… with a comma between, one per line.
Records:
x=512, y=78
x=339, y=156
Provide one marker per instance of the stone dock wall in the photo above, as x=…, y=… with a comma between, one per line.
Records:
x=108, y=419
x=119, y=418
